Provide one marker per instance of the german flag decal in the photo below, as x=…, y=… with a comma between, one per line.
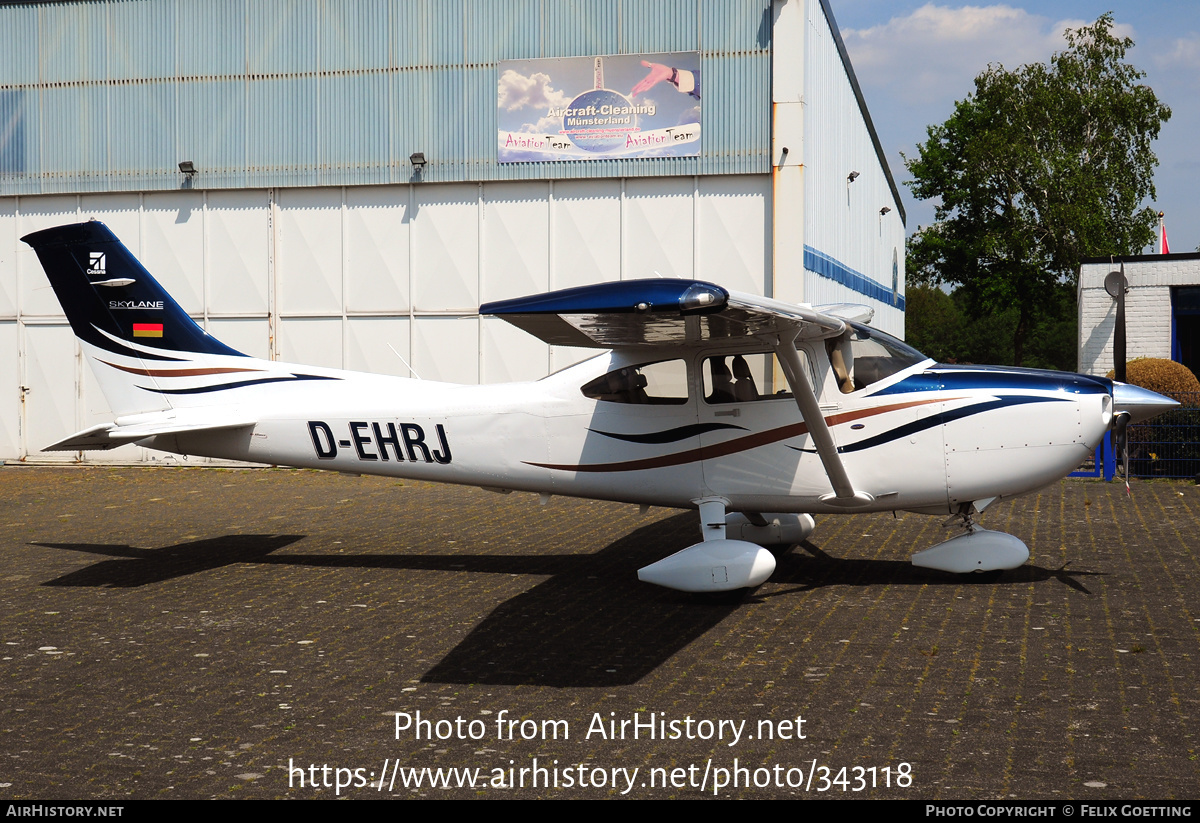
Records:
x=147, y=329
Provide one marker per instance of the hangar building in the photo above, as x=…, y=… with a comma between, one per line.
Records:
x=343, y=182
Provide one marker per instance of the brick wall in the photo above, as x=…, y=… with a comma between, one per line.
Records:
x=1147, y=307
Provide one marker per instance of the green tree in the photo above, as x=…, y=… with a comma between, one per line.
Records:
x=1041, y=166
x=933, y=323
x=940, y=325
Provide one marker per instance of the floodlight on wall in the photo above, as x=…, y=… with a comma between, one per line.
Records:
x=417, y=158
x=884, y=210
x=187, y=167
x=852, y=177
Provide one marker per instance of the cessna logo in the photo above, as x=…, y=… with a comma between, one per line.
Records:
x=97, y=264
x=135, y=304
x=373, y=441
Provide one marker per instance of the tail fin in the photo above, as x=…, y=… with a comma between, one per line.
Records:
x=132, y=330
x=111, y=300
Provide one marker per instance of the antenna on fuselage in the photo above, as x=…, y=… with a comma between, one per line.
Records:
x=405, y=362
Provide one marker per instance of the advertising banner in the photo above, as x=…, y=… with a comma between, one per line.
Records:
x=599, y=108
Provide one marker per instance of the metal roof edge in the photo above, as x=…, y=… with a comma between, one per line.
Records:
x=1140, y=258
x=862, y=105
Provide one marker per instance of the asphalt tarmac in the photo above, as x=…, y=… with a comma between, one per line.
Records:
x=196, y=633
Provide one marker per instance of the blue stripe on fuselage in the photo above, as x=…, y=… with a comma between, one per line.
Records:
x=996, y=379
x=943, y=418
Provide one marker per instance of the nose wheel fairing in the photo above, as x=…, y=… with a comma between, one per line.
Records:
x=980, y=550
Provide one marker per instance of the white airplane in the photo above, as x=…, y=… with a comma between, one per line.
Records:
x=756, y=412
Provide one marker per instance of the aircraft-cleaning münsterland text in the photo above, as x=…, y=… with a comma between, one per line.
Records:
x=757, y=412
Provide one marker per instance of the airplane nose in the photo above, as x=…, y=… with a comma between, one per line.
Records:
x=1140, y=404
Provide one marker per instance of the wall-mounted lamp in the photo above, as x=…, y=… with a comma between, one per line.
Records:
x=187, y=167
x=852, y=177
x=884, y=210
x=417, y=158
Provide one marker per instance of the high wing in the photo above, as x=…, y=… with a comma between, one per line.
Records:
x=661, y=312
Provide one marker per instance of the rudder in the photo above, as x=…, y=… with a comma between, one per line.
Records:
x=132, y=331
x=109, y=297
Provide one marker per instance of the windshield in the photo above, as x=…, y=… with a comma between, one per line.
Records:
x=873, y=356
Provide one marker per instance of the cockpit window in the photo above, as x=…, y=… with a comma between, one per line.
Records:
x=663, y=383
x=862, y=356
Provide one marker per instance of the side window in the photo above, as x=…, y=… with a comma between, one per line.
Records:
x=663, y=384
x=747, y=378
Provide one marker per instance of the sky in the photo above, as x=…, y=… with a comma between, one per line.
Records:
x=915, y=59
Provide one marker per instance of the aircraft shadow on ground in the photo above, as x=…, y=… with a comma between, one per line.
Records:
x=808, y=567
x=589, y=624
x=140, y=567
x=593, y=624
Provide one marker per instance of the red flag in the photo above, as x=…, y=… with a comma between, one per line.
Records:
x=1163, y=248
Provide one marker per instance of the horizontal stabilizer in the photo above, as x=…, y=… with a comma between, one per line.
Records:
x=109, y=435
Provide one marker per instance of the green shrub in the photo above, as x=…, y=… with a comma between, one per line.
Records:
x=1167, y=445
x=1163, y=376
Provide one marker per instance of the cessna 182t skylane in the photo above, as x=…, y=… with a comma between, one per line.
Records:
x=756, y=412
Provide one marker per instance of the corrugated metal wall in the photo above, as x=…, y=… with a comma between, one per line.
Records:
x=360, y=277
x=304, y=237
x=850, y=247
x=112, y=95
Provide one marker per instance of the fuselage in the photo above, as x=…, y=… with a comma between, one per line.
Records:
x=757, y=412
x=670, y=427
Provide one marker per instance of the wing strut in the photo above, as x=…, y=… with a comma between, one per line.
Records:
x=844, y=494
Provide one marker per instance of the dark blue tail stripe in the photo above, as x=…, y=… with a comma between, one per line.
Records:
x=110, y=345
x=239, y=385
x=80, y=258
